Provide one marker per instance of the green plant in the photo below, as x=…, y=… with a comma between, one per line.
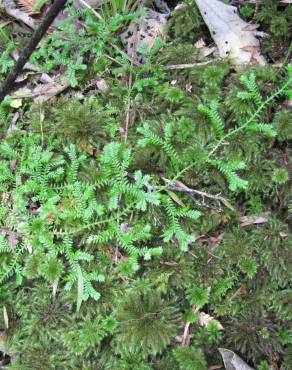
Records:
x=89, y=334
x=280, y=176
x=86, y=123
x=246, y=11
x=69, y=47
x=279, y=24
x=282, y=125
x=247, y=335
x=251, y=126
x=6, y=62
x=198, y=296
x=190, y=358
x=5, y=113
x=112, y=8
x=185, y=23
x=134, y=254
x=52, y=208
x=147, y=323
x=38, y=5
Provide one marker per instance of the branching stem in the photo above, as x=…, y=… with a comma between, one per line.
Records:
x=231, y=133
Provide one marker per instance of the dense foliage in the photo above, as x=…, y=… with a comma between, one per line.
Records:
x=123, y=245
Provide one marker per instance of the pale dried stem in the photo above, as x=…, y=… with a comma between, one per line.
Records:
x=191, y=65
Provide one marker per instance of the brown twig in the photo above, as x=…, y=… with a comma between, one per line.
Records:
x=125, y=55
x=179, y=186
x=88, y=6
x=128, y=113
x=38, y=34
x=204, y=204
x=130, y=81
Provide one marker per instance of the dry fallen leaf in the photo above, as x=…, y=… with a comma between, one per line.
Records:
x=206, y=51
x=12, y=240
x=47, y=91
x=200, y=43
x=189, y=87
x=234, y=37
x=257, y=219
x=149, y=28
x=40, y=93
x=102, y=85
x=175, y=198
x=12, y=10
x=204, y=320
x=232, y=361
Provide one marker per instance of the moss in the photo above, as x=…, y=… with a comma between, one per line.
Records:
x=186, y=24
x=282, y=123
x=87, y=123
x=237, y=274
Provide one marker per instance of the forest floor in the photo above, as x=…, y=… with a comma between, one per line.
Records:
x=145, y=186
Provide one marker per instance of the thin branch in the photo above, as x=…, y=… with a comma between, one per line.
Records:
x=38, y=34
x=198, y=192
x=179, y=186
x=133, y=59
x=191, y=65
x=238, y=129
x=88, y=6
x=204, y=204
x=125, y=55
x=113, y=60
x=129, y=103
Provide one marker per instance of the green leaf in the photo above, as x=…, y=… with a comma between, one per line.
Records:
x=175, y=198
x=198, y=296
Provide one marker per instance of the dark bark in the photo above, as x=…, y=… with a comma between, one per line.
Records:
x=38, y=34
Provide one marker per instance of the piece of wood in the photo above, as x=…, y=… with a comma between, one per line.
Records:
x=38, y=34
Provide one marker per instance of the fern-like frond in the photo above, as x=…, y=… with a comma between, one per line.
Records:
x=216, y=121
